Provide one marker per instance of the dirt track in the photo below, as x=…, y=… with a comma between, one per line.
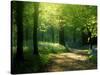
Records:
x=69, y=61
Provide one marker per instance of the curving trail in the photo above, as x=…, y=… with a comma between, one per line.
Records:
x=69, y=61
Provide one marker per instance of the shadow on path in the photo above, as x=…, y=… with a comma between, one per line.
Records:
x=69, y=61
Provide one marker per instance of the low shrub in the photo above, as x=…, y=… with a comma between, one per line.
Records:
x=46, y=48
x=93, y=58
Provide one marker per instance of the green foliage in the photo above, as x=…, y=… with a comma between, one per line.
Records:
x=74, y=19
x=46, y=48
x=44, y=59
x=93, y=58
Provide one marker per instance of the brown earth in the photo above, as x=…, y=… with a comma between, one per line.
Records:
x=69, y=61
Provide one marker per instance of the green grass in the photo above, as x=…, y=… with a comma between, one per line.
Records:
x=37, y=63
x=34, y=63
x=31, y=64
x=46, y=48
x=93, y=58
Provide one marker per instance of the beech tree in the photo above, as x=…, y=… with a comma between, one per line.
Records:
x=19, y=23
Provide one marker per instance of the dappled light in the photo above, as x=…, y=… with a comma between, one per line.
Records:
x=69, y=61
x=52, y=37
x=47, y=47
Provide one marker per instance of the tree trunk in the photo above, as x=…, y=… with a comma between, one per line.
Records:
x=36, y=13
x=42, y=36
x=19, y=23
x=90, y=40
x=52, y=34
x=61, y=35
x=74, y=36
x=26, y=34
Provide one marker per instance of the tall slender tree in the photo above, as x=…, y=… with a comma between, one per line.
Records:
x=36, y=14
x=19, y=23
x=61, y=31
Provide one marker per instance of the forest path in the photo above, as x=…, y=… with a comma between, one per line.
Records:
x=69, y=61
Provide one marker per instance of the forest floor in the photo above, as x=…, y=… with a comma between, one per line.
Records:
x=74, y=60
